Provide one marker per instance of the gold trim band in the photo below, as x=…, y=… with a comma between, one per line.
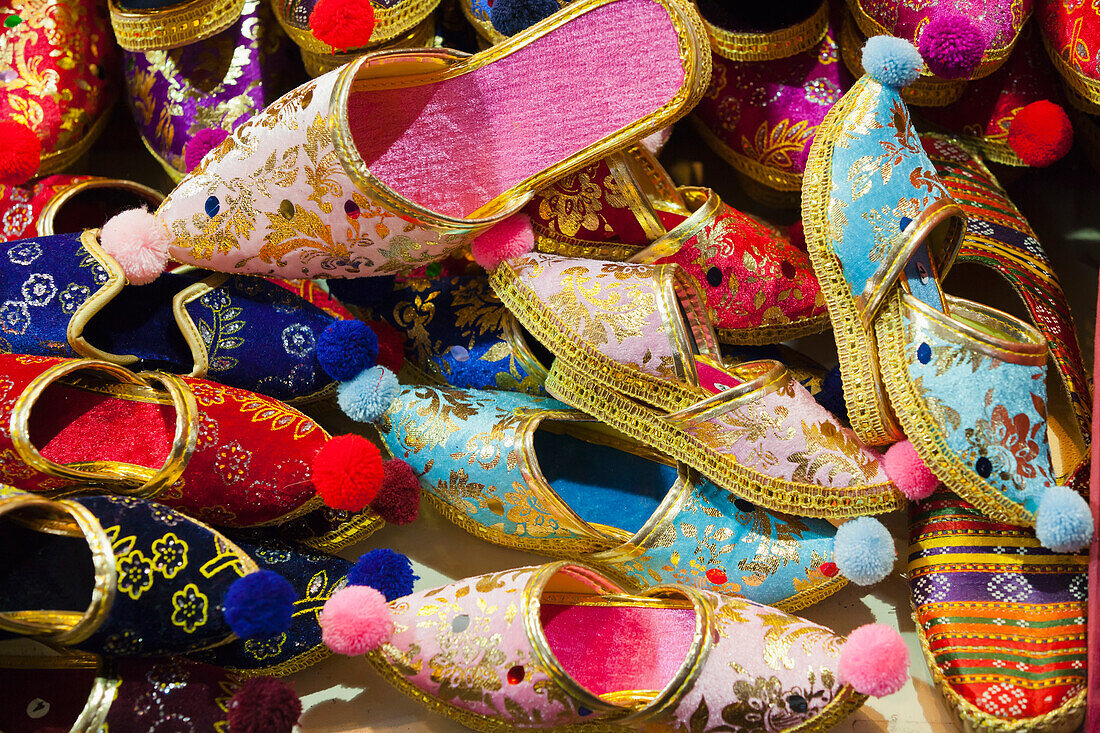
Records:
x=779, y=44
x=173, y=26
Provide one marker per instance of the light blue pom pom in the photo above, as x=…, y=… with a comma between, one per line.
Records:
x=1063, y=522
x=864, y=550
x=892, y=61
x=366, y=397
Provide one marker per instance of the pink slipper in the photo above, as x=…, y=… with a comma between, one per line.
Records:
x=403, y=157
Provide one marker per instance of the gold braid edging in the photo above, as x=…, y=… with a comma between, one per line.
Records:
x=922, y=427
x=174, y=26
x=1065, y=719
x=1085, y=92
x=593, y=396
x=348, y=533
x=779, y=44
x=767, y=335
x=868, y=411
x=305, y=660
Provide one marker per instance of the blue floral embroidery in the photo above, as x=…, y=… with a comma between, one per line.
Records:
x=14, y=317
x=24, y=253
x=39, y=290
x=73, y=296
x=298, y=340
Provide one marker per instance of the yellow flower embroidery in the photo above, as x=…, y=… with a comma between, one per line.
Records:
x=135, y=574
x=189, y=608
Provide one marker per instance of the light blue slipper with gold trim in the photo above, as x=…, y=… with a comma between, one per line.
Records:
x=531, y=473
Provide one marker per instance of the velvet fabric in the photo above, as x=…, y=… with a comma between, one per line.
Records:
x=761, y=116
x=43, y=282
x=761, y=661
x=1002, y=619
x=470, y=450
x=315, y=577
x=164, y=561
x=65, y=66
x=217, y=83
x=22, y=206
x=152, y=694
x=457, y=331
x=520, y=115
x=250, y=464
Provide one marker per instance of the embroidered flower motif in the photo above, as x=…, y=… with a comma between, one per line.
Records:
x=39, y=289
x=527, y=512
x=170, y=555
x=73, y=296
x=123, y=643
x=823, y=91
x=232, y=462
x=189, y=608
x=99, y=273
x=272, y=555
x=164, y=515
x=574, y=208
x=298, y=340
x=168, y=675
x=271, y=646
x=24, y=253
x=1008, y=443
x=135, y=574
x=208, y=393
x=14, y=317
x=16, y=219
x=207, y=433
x=12, y=467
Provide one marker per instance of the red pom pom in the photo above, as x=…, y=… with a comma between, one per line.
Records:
x=139, y=243
x=355, y=620
x=874, y=660
x=398, y=502
x=342, y=24
x=510, y=238
x=391, y=345
x=264, y=705
x=1040, y=133
x=347, y=472
x=908, y=472
x=20, y=150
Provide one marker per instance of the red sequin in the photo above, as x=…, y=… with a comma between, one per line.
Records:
x=716, y=576
x=515, y=675
x=828, y=569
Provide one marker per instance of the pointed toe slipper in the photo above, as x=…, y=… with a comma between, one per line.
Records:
x=320, y=184
x=634, y=349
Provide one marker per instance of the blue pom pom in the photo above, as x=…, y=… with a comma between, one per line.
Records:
x=864, y=550
x=259, y=605
x=346, y=348
x=831, y=396
x=1063, y=522
x=388, y=572
x=366, y=397
x=512, y=16
x=892, y=61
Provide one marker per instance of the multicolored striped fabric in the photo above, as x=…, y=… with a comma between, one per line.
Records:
x=998, y=237
x=1001, y=620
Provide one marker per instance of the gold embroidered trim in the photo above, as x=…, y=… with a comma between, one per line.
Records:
x=647, y=425
x=557, y=243
x=774, y=334
x=441, y=65
x=770, y=177
x=389, y=23
x=922, y=427
x=295, y=664
x=926, y=91
x=60, y=159
x=1066, y=719
x=318, y=63
x=991, y=59
x=362, y=526
x=44, y=225
x=1084, y=90
x=174, y=26
x=869, y=410
x=779, y=44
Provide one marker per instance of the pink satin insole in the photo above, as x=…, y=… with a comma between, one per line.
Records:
x=616, y=648
x=454, y=145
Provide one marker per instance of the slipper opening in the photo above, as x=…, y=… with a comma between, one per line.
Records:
x=455, y=145
x=91, y=204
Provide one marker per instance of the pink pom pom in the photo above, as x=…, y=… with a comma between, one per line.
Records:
x=874, y=660
x=905, y=468
x=202, y=143
x=139, y=242
x=952, y=46
x=356, y=620
x=510, y=238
